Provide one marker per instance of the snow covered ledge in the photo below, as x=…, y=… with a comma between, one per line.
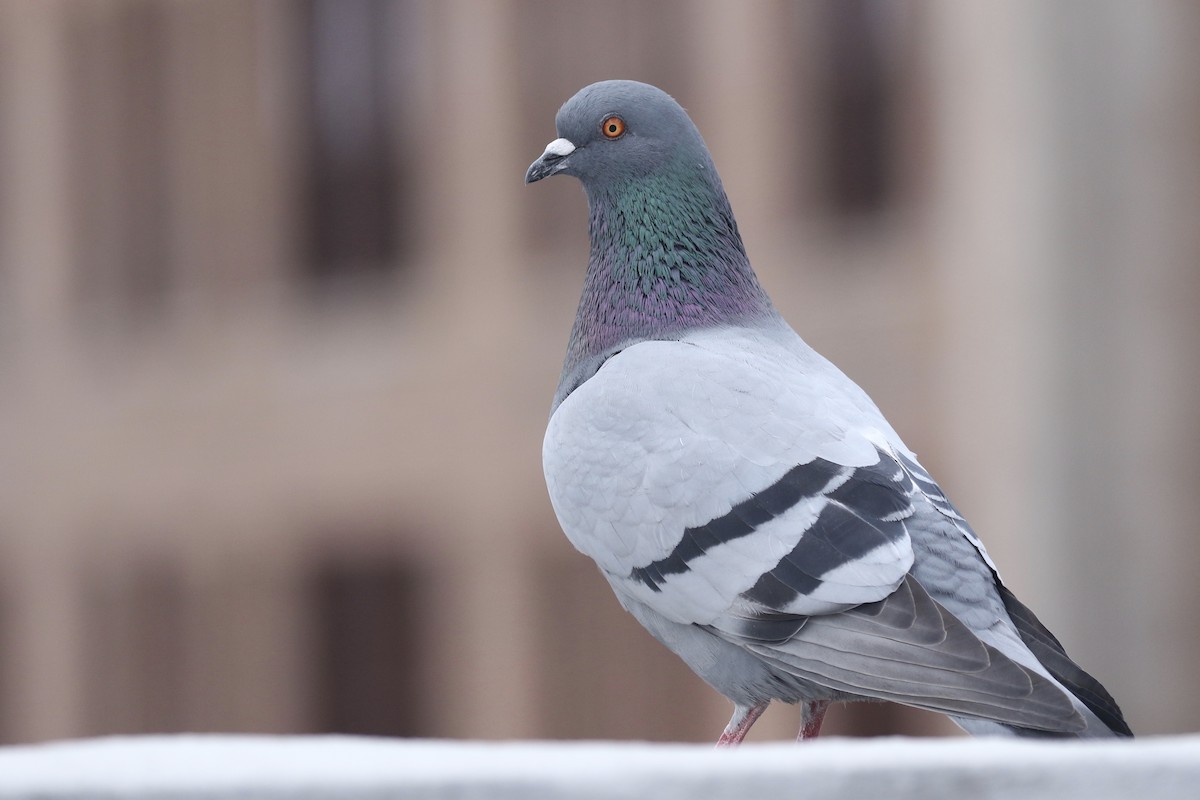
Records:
x=345, y=768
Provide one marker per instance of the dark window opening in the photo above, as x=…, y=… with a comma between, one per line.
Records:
x=367, y=619
x=354, y=180
x=856, y=108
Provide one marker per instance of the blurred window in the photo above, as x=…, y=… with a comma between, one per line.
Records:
x=356, y=164
x=368, y=625
x=855, y=106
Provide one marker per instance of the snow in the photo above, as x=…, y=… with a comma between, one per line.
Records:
x=319, y=767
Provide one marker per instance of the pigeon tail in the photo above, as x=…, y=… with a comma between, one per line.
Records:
x=1050, y=652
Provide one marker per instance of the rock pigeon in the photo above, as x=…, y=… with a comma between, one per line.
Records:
x=746, y=501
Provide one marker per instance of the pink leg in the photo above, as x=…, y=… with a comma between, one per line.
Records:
x=812, y=714
x=740, y=724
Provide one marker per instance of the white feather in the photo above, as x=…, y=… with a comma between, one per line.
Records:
x=669, y=435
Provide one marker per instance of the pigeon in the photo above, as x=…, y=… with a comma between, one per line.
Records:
x=746, y=501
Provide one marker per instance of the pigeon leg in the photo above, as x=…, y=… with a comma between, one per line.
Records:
x=739, y=725
x=812, y=714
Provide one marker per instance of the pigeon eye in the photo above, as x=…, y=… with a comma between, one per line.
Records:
x=613, y=127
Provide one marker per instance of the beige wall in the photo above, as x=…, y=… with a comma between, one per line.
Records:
x=238, y=495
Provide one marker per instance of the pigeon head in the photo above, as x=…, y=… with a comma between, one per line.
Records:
x=666, y=256
x=614, y=131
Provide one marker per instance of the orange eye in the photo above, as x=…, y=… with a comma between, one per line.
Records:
x=613, y=127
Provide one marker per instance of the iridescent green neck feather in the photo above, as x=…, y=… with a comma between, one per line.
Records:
x=666, y=258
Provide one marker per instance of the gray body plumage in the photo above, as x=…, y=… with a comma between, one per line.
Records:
x=746, y=501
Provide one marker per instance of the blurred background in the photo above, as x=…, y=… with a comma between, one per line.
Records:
x=280, y=326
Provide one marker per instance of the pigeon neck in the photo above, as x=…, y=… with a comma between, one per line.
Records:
x=666, y=258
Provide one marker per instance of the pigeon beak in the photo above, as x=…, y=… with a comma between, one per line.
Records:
x=552, y=161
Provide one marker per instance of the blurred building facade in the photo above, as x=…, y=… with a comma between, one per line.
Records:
x=279, y=327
